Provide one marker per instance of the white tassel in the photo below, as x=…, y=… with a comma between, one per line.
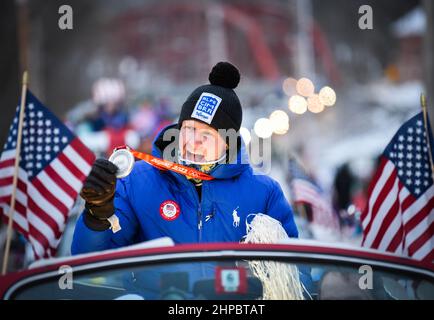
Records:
x=280, y=280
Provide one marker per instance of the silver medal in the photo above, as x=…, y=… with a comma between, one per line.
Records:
x=124, y=160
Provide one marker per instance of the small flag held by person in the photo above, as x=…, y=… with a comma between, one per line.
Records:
x=305, y=190
x=399, y=216
x=53, y=164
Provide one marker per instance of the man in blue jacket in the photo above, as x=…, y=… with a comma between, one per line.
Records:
x=151, y=203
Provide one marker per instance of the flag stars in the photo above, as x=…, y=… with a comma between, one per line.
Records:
x=31, y=106
x=40, y=114
x=417, y=190
x=410, y=130
x=64, y=139
x=401, y=138
x=409, y=182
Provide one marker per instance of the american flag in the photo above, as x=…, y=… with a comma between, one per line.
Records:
x=305, y=190
x=400, y=213
x=53, y=165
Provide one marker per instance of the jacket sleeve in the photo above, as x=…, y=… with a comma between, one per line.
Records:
x=279, y=209
x=87, y=240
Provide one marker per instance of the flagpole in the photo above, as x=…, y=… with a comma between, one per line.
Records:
x=425, y=120
x=15, y=176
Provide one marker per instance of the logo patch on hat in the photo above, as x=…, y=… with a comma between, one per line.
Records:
x=169, y=210
x=206, y=107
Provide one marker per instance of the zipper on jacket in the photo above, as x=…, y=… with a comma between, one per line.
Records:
x=199, y=213
x=199, y=223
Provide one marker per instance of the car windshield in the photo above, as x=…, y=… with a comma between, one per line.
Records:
x=232, y=279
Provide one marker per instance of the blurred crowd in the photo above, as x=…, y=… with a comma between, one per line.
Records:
x=107, y=121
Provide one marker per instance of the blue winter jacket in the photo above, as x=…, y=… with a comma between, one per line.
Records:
x=219, y=216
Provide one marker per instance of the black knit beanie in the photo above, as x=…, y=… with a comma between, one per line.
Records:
x=216, y=104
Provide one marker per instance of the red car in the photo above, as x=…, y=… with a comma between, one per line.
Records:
x=160, y=270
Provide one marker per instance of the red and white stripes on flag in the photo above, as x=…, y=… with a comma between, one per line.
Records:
x=50, y=176
x=399, y=216
x=305, y=190
x=42, y=204
x=322, y=211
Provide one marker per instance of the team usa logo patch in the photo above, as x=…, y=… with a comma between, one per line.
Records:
x=169, y=210
x=206, y=107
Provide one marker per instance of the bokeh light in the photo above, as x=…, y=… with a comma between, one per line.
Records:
x=305, y=87
x=288, y=86
x=262, y=128
x=297, y=104
x=314, y=104
x=327, y=96
x=245, y=135
x=279, y=122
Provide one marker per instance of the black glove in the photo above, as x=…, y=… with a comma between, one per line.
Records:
x=98, y=192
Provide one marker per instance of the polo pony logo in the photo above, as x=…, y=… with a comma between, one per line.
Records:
x=236, y=218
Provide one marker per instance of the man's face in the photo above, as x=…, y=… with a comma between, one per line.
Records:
x=200, y=143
